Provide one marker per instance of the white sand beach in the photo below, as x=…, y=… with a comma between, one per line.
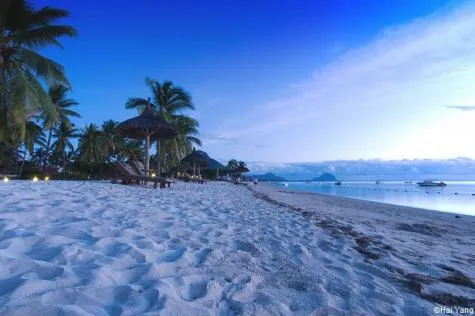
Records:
x=96, y=248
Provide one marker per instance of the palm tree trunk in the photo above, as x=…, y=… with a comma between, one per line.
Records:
x=22, y=165
x=47, y=147
x=158, y=158
x=147, y=154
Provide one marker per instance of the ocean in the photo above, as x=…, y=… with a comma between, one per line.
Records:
x=456, y=197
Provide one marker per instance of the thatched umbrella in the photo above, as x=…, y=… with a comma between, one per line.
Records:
x=197, y=158
x=239, y=171
x=214, y=164
x=144, y=126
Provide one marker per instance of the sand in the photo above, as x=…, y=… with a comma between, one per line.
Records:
x=92, y=248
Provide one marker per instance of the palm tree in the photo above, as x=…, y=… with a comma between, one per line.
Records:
x=63, y=134
x=63, y=148
x=175, y=149
x=232, y=165
x=92, y=147
x=33, y=136
x=131, y=149
x=111, y=136
x=57, y=95
x=23, y=71
x=168, y=100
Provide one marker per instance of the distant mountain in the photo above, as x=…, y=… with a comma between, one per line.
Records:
x=325, y=177
x=267, y=177
x=375, y=169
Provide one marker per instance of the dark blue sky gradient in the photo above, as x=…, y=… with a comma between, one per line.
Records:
x=238, y=52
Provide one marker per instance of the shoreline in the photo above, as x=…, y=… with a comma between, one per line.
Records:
x=379, y=230
x=308, y=192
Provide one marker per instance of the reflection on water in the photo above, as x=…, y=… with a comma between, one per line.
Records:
x=456, y=197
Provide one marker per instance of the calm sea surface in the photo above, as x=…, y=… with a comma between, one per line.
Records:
x=456, y=197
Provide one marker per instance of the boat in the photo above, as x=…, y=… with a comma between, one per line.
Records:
x=378, y=181
x=338, y=183
x=430, y=183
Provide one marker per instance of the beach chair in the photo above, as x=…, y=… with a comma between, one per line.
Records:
x=140, y=168
x=188, y=178
x=129, y=175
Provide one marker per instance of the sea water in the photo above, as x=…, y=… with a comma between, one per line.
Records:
x=456, y=197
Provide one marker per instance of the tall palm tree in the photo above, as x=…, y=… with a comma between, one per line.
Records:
x=167, y=99
x=24, y=71
x=91, y=146
x=62, y=104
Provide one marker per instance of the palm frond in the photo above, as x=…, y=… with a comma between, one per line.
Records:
x=136, y=103
x=47, y=69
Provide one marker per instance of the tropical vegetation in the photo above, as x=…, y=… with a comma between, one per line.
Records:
x=38, y=134
x=169, y=102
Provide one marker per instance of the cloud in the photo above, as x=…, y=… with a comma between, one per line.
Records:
x=462, y=107
x=210, y=138
x=429, y=62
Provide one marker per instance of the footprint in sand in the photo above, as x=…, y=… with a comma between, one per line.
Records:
x=46, y=254
x=173, y=255
x=202, y=255
x=194, y=291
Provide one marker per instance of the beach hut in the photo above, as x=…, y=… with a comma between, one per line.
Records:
x=200, y=159
x=197, y=158
x=236, y=174
x=145, y=125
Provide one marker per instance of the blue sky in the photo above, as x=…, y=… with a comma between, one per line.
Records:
x=287, y=81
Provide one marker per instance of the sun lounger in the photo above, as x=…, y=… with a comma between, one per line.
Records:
x=129, y=175
x=188, y=178
x=140, y=168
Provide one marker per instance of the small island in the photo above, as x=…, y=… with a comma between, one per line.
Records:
x=325, y=177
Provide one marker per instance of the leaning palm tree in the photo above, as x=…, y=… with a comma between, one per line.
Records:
x=24, y=71
x=167, y=99
x=62, y=104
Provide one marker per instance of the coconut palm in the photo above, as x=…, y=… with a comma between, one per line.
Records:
x=130, y=149
x=33, y=136
x=63, y=149
x=62, y=104
x=92, y=146
x=168, y=100
x=112, y=139
x=24, y=71
x=63, y=134
x=232, y=165
x=173, y=150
